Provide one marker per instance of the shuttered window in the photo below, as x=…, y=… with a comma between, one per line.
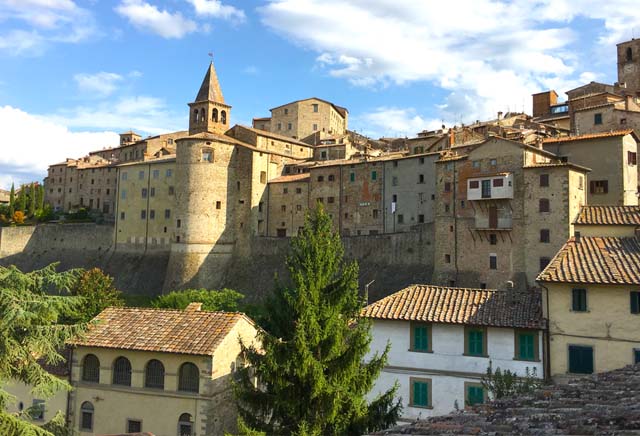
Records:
x=579, y=300
x=580, y=359
x=526, y=345
x=420, y=337
x=475, y=341
x=420, y=393
x=475, y=395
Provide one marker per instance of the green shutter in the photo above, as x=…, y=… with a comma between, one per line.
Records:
x=580, y=360
x=476, y=342
x=421, y=338
x=374, y=175
x=352, y=177
x=526, y=346
x=579, y=300
x=475, y=395
x=420, y=394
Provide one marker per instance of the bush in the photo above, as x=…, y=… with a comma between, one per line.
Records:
x=18, y=217
x=226, y=300
x=45, y=214
x=506, y=383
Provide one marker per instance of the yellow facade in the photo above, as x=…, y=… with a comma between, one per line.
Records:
x=25, y=398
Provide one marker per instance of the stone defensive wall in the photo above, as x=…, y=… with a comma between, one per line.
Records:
x=392, y=260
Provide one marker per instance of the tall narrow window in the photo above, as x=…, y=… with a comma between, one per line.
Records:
x=86, y=416
x=214, y=115
x=189, y=378
x=526, y=344
x=475, y=341
x=122, y=372
x=185, y=425
x=223, y=117
x=420, y=337
x=91, y=369
x=579, y=300
x=635, y=302
x=420, y=395
x=493, y=261
x=154, y=375
x=544, y=180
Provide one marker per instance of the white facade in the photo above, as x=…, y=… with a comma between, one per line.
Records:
x=446, y=366
x=490, y=188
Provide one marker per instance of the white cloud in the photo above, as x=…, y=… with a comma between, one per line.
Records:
x=45, y=141
x=215, y=8
x=394, y=122
x=99, y=84
x=47, y=21
x=489, y=55
x=148, y=17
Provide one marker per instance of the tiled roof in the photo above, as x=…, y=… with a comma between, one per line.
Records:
x=488, y=307
x=291, y=178
x=595, y=260
x=589, y=136
x=609, y=215
x=556, y=164
x=162, y=330
x=273, y=135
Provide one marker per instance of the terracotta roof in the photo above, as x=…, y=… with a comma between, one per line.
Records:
x=262, y=119
x=595, y=260
x=609, y=215
x=162, y=330
x=597, y=106
x=342, y=110
x=291, y=178
x=273, y=135
x=557, y=164
x=589, y=136
x=487, y=307
x=151, y=161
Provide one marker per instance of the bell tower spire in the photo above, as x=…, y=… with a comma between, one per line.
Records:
x=209, y=113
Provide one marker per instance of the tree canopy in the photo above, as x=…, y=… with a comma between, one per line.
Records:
x=226, y=300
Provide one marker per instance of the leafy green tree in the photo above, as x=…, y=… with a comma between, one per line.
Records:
x=32, y=308
x=22, y=199
x=312, y=373
x=227, y=300
x=12, y=201
x=99, y=293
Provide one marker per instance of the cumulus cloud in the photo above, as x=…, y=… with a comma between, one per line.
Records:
x=215, y=8
x=99, y=84
x=489, y=55
x=394, y=122
x=161, y=22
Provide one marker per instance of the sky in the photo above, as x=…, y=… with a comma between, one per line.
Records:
x=75, y=73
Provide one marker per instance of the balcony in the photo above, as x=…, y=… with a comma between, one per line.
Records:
x=490, y=187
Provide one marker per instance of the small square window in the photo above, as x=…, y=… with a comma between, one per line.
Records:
x=579, y=300
x=320, y=178
x=331, y=199
x=493, y=239
x=134, y=426
x=493, y=261
x=474, y=184
x=498, y=183
x=580, y=359
x=543, y=205
x=544, y=180
x=597, y=119
x=331, y=178
x=545, y=236
x=421, y=219
x=493, y=162
x=285, y=190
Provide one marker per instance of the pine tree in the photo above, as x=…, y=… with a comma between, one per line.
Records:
x=32, y=199
x=312, y=374
x=31, y=333
x=12, y=201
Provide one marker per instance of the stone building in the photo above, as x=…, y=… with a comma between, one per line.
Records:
x=302, y=118
x=612, y=157
x=287, y=205
x=443, y=340
x=163, y=371
x=502, y=210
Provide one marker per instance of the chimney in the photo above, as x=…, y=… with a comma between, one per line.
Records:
x=576, y=237
x=194, y=307
x=508, y=287
x=452, y=138
x=499, y=115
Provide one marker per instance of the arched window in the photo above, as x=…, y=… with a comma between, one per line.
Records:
x=202, y=115
x=214, y=115
x=629, y=54
x=223, y=117
x=185, y=425
x=86, y=416
x=195, y=115
x=154, y=375
x=122, y=372
x=91, y=369
x=189, y=378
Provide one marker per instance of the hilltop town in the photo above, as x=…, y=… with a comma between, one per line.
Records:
x=512, y=242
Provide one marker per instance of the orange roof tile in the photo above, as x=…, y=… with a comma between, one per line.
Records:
x=609, y=215
x=162, y=330
x=291, y=178
x=595, y=260
x=589, y=136
x=488, y=307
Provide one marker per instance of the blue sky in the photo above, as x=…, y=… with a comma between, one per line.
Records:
x=73, y=73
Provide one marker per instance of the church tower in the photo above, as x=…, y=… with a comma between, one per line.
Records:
x=209, y=113
x=629, y=64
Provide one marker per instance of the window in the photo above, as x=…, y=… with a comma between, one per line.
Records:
x=446, y=207
x=498, y=183
x=207, y=155
x=223, y=117
x=218, y=204
x=279, y=126
x=374, y=175
x=143, y=214
x=526, y=344
x=332, y=200
x=37, y=410
x=315, y=127
x=156, y=174
x=167, y=214
x=283, y=208
x=320, y=179
x=214, y=115
x=172, y=190
x=144, y=192
x=152, y=192
x=352, y=177
x=599, y=186
x=168, y=173
x=134, y=426
x=473, y=394
x=486, y=189
x=154, y=375
x=421, y=219
x=420, y=178
x=178, y=223
x=474, y=184
x=545, y=236
x=189, y=378
x=635, y=302
x=122, y=215
x=420, y=395
x=475, y=341
x=286, y=111
x=91, y=368
x=629, y=54
x=493, y=239
x=400, y=219
x=543, y=205
x=420, y=337
x=140, y=175
x=263, y=177
x=544, y=180
x=447, y=186
x=493, y=162
x=475, y=164
x=299, y=207
x=421, y=160
x=289, y=126
x=331, y=177
x=544, y=261
x=323, y=154
x=447, y=258
x=632, y=158
x=580, y=359
x=86, y=416
x=636, y=356
x=579, y=300
x=493, y=261
x=285, y=190
x=122, y=371
x=185, y=425
x=298, y=190
x=315, y=107
x=597, y=118
x=123, y=194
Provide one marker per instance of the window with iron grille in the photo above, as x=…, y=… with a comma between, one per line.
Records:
x=122, y=372
x=91, y=369
x=154, y=375
x=189, y=378
x=86, y=416
x=134, y=426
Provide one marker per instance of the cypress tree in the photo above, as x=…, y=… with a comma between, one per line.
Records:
x=12, y=201
x=312, y=373
x=22, y=199
x=40, y=197
x=32, y=199
x=31, y=333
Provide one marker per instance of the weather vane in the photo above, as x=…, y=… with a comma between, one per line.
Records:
x=211, y=55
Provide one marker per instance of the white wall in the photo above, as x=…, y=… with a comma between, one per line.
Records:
x=446, y=366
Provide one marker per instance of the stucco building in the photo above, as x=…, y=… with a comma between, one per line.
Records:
x=166, y=372
x=442, y=340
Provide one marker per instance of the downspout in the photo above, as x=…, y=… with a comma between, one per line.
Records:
x=455, y=223
x=340, y=199
x=546, y=364
x=70, y=368
x=117, y=217
x=146, y=230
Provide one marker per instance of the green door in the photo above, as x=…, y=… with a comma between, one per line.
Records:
x=580, y=359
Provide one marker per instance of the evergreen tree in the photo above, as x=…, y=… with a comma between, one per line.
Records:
x=40, y=197
x=22, y=199
x=31, y=333
x=312, y=373
x=12, y=201
x=32, y=199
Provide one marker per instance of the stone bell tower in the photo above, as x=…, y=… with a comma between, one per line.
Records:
x=209, y=113
x=629, y=64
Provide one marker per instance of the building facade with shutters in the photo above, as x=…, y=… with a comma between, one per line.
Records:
x=167, y=372
x=442, y=341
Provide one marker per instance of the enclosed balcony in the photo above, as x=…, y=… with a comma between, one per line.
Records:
x=490, y=187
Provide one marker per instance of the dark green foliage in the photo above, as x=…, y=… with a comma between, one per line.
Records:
x=45, y=213
x=32, y=199
x=32, y=307
x=506, y=383
x=12, y=201
x=40, y=197
x=226, y=299
x=22, y=199
x=312, y=375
